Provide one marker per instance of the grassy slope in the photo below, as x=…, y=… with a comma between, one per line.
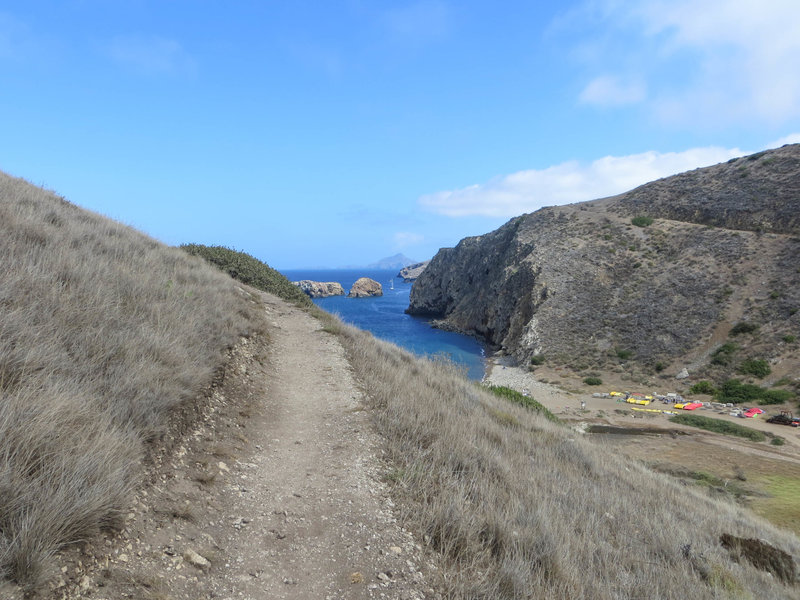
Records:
x=103, y=332
x=522, y=508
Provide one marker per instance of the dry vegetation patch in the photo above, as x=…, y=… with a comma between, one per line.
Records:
x=520, y=507
x=103, y=334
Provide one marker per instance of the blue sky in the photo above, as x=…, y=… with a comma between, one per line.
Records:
x=336, y=133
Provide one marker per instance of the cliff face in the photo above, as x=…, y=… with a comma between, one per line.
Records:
x=582, y=281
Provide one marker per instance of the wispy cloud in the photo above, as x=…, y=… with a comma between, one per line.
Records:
x=151, y=55
x=715, y=62
x=609, y=90
x=526, y=191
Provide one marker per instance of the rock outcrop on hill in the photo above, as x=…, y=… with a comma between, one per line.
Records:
x=365, y=287
x=320, y=289
x=582, y=284
x=412, y=272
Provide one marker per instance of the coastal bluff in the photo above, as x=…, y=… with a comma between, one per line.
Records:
x=411, y=272
x=657, y=276
x=320, y=289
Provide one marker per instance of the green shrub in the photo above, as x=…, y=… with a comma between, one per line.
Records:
x=537, y=359
x=659, y=366
x=789, y=339
x=526, y=401
x=757, y=367
x=249, y=270
x=642, y=221
x=703, y=387
x=777, y=441
x=775, y=397
x=724, y=354
x=719, y=426
x=743, y=327
x=735, y=391
x=623, y=354
x=592, y=381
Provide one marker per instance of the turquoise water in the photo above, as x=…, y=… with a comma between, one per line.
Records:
x=384, y=316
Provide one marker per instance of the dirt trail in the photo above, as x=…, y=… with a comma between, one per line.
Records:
x=279, y=490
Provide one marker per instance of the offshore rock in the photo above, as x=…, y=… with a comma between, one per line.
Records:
x=320, y=289
x=365, y=287
x=412, y=272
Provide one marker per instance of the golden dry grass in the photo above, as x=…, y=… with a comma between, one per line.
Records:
x=103, y=332
x=519, y=507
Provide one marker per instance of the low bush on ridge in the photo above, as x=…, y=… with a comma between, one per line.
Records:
x=248, y=269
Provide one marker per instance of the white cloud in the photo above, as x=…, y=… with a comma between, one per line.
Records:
x=526, y=191
x=611, y=91
x=716, y=61
x=403, y=239
x=792, y=138
x=151, y=54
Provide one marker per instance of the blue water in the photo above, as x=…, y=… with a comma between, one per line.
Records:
x=384, y=316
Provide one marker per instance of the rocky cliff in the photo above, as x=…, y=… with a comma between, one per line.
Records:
x=582, y=283
x=412, y=272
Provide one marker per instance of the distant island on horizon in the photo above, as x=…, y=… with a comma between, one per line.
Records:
x=397, y=261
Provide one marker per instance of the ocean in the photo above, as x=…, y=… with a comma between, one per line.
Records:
x=384, y=316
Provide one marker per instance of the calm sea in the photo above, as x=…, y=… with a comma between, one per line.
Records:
x=384, y=316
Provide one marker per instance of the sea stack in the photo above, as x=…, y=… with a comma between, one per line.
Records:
x=365, y=287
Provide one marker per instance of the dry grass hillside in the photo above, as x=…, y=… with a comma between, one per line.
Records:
x=519, y=507
x=104, y=334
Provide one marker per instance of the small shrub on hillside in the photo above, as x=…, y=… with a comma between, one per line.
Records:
x=777, y=441
x=537, y=359
x=719, y=426
x=249, y=270
x=623, y=354
x=724, y=354
x=659, y=366
x=743, y=327
x=757, y=367
x=642, y=221
x=775, y=397
x=789, y=339
x=592, y=381
x=703, y=387
x=737, y=392
x=526, y=401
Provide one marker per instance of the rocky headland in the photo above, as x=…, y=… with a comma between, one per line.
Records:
x=412, y=272
x=320, y=289
x=364, y=287
x=655, y=277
